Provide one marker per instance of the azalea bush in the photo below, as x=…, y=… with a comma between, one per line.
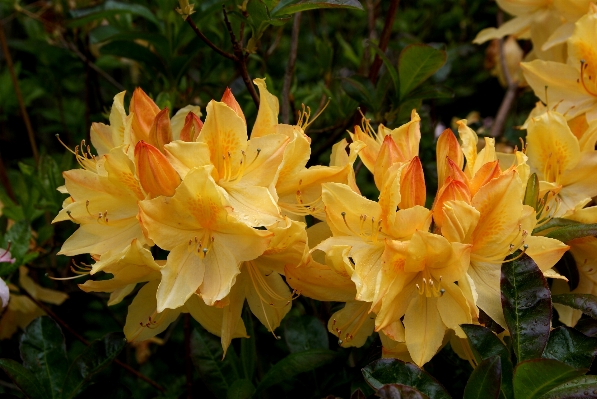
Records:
x=248, y=220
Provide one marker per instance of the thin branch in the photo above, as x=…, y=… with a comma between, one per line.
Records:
x=296, y=26
x=385, y=38
x=187, y=355
x=83, y=340
x=241, y=59
x=15, y=83
x=6, y=182
x=218, y=50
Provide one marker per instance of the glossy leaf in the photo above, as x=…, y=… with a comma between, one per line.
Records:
x=566, y=266
x=24, y=379
x=286, y=7
x=486, y=344
x=241, y=389
x=44, y=354
x=206, y=352
x=294, y=364
x=570, y=232
x=531, y=194
x=428, y=92
x=133, y=51
x=533, y=378
x=586, y=303
x=389, y=67
x=587, y=326
x=248, y=351
x=555, y=223
x=83, y=16
x=19, y=236
x=416, y=64
x=571, y=347
x=527, y=306
x=584, y=387
x=393, y=371
x=305, y=332
x=97, y=356
x=361, y=90
x=358, y=394
x=485, y=380
x=399, y=391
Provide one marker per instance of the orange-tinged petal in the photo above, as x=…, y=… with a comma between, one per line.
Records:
x=469, y=146
x=144, y=111
x=156, y=174
x=389, y=154
x=412, y=185
x=447, y=147
x=178, y=120
x=452, y=190
x=487, y=154
x=192, y=128
x=229, y=99
x=455, y=172
x=484, y=175
x=160, y=132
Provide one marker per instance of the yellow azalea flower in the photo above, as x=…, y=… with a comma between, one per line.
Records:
x=554, y=154
x=205, y=241
x=21, y=310
x=571, y=85
x=104, y=201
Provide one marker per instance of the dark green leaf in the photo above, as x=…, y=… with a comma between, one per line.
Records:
x=44, y=354
x=531, y=194
x=571, y=347
x=570, y=232
x=527, y=306
x=83, y=16
x=293, y=6
x=133, y=51
x=566, y=266
x=361, y=90
x=486, y=344
x=24, y=379
x=206, y=352
x=305, y=332
x=159, y=42
x=389, y=67
x=18, y=236
x=587, y=326
x=248, y=351
x=293, y=364
x=586, y=303
x=399, y=391
x=485, y=380
x=358, y=394
x=416, y=64
x=584, y=387
x=98, y=355
x=533, y=378
x=428, y=92
x=241, y=389
x=393, y=371
x=555, y=223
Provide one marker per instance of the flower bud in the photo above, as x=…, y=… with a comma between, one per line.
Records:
x=192, y=127
x=229, y=100
x=389, y=154
x=452, y=190
x=486, y=173
x=412, y=185
x=155, y=173
x=161, y=131
x=447, y=146
x=144, y=111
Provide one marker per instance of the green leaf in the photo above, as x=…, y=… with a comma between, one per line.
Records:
x=399, y=391
x=83, y=16
x=98, y=355
x=44, y=354
x=389, y=67
x=485, y=380
x=241, y=389
x=293, y=364
x=248, y=350
x=206, y=352
x=527, y=306
x=305, y=332
x=428, y=92
x=361, y=90
x=486, y=344
x=19, y=236
x=587, y=326
x=555, y=223
x=584, y=387
x=586, y=303
x=416, y=64
x=571, y=347
x=566, y=266
x=570, y=232
x=24, y=379
x=133, y=51
x=533, y=378
x=531, y=194
x=393, y=371
x=286, y=7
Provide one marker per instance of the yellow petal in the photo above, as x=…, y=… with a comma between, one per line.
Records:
x=453, y=309
x=459, y=221
x=353, y=324
x=185, y=156
x=267, y=115
x=424, y=328
x=469, y=146
x=229, y=99
x=268, y=295
x=338, y=199
x=211, y=317
x=221, y=269
x=38, y=292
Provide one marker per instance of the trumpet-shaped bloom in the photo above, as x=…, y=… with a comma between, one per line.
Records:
x=205, y=241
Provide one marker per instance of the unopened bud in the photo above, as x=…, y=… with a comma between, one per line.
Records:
x=144, y=111
x=229, y=100
x=389, y=154
x=412, y=185
x=447, y=147
x=452, y=190
x=161, y=131
x=192, y=127
x=155, y=173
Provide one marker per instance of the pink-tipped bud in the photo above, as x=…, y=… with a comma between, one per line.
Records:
x=447, y=147
x=452, y=190
x=389, y=154
x=412, y=185
x=229, y=100
x=155, y=173
x=192, y=127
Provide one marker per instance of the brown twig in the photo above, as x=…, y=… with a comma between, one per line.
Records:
x=187, y=355
x=215, y=48
x=385, y=38
x=241, y=59
x=83, y=340
x=15, y=83
x=296, y=26
x=6, y=182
